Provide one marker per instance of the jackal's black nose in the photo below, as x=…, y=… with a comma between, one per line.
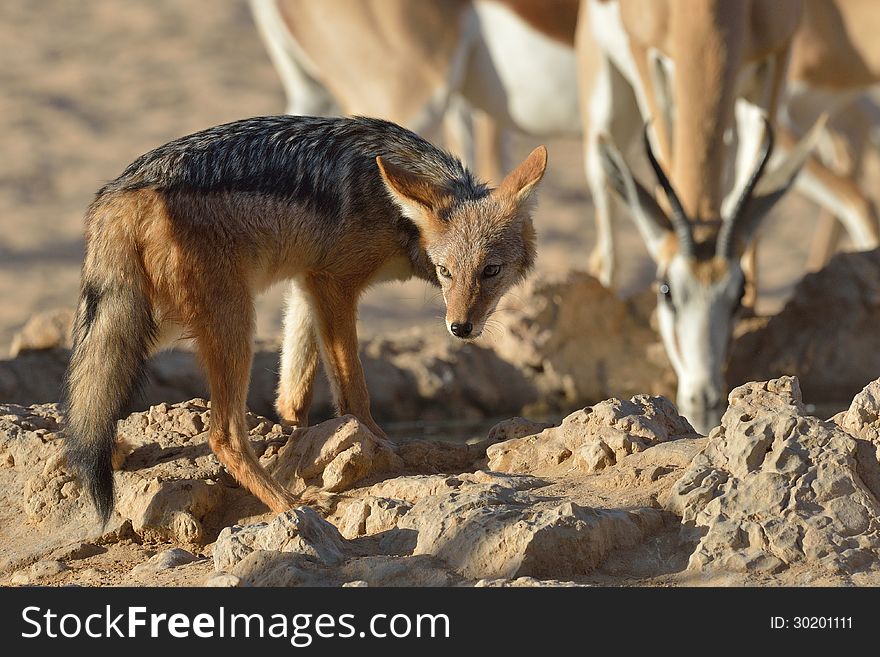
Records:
x=461, y=330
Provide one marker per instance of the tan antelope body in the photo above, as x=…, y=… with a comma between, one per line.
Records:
x=425, y=64
x=835, y=59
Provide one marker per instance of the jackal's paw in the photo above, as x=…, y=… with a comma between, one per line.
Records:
x=296, y=420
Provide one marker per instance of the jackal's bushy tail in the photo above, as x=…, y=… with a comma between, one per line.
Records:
x=113, y=333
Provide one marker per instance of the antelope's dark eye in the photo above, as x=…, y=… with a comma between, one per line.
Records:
x=491, y=270
x=664, y=290
x=445, y=273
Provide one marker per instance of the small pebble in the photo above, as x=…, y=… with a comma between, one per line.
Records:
x=47, y=568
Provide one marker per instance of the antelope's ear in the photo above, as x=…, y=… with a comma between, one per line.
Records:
x=417, y=197
x=521, y=182
x=649, y=217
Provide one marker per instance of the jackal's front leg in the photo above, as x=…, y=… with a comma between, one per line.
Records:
x=336, y=310
x=299, y=359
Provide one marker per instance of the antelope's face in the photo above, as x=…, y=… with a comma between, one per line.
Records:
x=480, y=246
x=700, y=282
x=697, y=306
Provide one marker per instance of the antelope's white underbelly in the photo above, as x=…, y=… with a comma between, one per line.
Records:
x=519, y=75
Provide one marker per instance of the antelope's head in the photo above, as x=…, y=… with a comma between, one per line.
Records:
x=700, y=281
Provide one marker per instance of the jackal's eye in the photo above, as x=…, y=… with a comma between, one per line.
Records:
x=445, y=273
x=491, y=270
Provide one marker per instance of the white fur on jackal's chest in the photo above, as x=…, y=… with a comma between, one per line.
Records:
x=519, y=73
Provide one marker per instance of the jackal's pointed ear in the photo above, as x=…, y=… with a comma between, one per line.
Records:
x=418, y=198
x=519, y=183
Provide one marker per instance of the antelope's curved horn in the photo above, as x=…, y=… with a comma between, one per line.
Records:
x=680, y=222
x=726, y=235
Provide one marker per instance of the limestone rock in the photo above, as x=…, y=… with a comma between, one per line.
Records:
x=593, y=438
x=832, y=359
x=516, y=427
x=171, y=485
x=223, y=580
x=300, y=530
x=862, y=418
x=379, y=508
x=372, y=515
x=265, y=568
x=496, y=532
x=164, y=560
x=579, y=343
x=776, y=487
x=333, y=456
x=45, y=330
x=46, y=568
x=862, y=422
x=412, y=488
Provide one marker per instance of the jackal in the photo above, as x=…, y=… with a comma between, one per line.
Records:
x=182, y=241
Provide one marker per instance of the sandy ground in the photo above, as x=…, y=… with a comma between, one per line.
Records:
x=88, y=86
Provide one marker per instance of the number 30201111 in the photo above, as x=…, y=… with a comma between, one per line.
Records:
x=811, y=622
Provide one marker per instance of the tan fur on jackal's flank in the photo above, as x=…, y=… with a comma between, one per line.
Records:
x=186, y=237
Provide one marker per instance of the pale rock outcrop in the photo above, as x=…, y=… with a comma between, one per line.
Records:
x=380, y=507
x=579, y=343
x=372, y=515
x=46, y=330
x=497, y=532
x=170, y=486
x=515, y=427
x=300, y=530
x=164, y=560
x=270, y=568
x=332, y=456
x=775, y=487
x=448, y=528
x=826, y=333
x=593, y=438
x=862, y=421
x=299, y=548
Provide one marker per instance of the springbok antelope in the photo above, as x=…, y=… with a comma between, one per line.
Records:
x=835, y=59
x=831, y=63
x=687, y=64
x=429, y=63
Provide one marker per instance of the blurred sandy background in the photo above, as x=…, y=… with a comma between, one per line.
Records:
x=87, y=86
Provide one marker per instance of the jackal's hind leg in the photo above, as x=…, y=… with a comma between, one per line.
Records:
x=224, y=342
x=299, y=359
